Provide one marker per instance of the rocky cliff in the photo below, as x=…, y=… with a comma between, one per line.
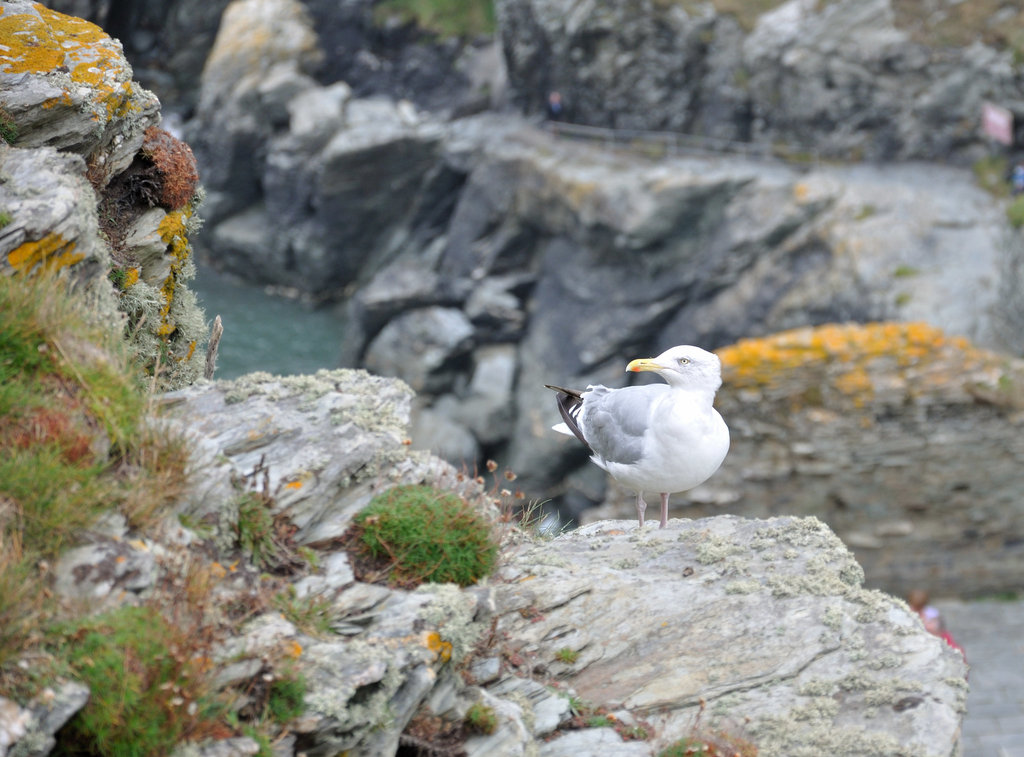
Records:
x=851, y=79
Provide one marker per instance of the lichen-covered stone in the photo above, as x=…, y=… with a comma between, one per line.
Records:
x=66, y=84
x=51, y=221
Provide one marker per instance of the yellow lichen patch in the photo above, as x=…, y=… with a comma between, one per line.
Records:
x=441, y=648
x=46, y=42
x=172, y=231
x=52, y=251
x=846, y=357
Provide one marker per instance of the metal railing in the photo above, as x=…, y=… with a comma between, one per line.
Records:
x=679, y=143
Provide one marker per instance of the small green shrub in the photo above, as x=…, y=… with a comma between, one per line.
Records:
x=990, y=173
x=8, y=129
x=865, y=211
x=421, y=534
x=710, y=745
x=447, y=18
x=287, y=698
x=254, y=529
x=905, y=271
x=481, y=719
x=313, y=614
x=567, y=655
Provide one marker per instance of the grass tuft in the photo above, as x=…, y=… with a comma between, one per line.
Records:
x=416, y=534
x=146, y=691
x=76, y=436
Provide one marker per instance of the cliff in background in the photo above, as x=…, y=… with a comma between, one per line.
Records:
x=224, y=616
x=854, y=80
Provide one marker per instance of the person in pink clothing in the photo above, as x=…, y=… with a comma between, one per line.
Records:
x=932, y=619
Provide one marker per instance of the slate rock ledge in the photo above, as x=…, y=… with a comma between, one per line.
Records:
x=759, y=628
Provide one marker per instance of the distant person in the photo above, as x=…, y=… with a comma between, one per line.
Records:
x=556, y=111
x=1017, y=179
x=932, y=618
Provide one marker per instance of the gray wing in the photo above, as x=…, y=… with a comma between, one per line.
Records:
x=615, y=420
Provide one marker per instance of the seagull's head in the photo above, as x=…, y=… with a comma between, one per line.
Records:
x=686, y=366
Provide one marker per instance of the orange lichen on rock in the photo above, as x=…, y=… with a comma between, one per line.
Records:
x=852, y=359
x=441, y=648
x=52, y=251
x=50, y=43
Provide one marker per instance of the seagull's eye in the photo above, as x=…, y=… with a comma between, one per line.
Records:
x=684, y=360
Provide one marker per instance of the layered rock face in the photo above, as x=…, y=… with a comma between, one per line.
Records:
x=838, y=78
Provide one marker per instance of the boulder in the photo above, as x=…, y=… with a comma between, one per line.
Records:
x=755, y=629
x=52, y=215
x=264, y=49
x=425, y=348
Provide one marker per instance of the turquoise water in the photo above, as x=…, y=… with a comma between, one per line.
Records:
x=263, y=332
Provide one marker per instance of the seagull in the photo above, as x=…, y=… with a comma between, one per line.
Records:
x=659, y=437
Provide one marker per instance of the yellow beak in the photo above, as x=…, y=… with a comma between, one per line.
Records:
x=643, y=364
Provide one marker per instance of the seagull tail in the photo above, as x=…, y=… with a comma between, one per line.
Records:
x=569, y=403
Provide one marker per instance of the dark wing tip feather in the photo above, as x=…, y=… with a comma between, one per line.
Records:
x=569, y=403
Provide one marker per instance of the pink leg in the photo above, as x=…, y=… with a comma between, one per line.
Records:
x=664, y=509
x=640, y=507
